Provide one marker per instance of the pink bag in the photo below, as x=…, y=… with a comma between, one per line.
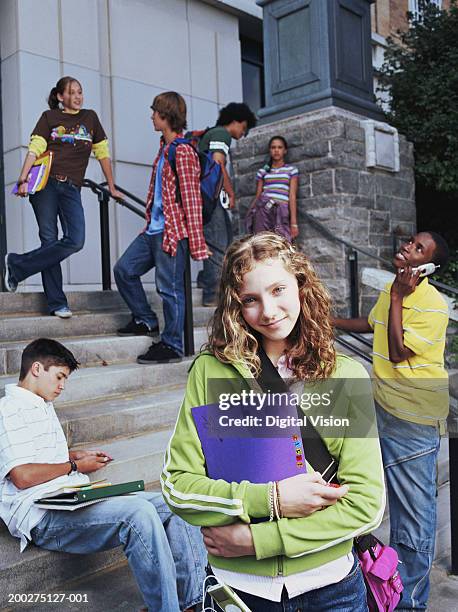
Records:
x=379, y=565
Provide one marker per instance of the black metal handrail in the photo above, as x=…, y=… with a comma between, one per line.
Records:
x=103, y=196
x=130, y=195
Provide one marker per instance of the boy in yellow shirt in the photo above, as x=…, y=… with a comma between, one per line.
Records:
x=409, y=322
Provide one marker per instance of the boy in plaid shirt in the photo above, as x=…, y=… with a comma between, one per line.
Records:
x=172, y=228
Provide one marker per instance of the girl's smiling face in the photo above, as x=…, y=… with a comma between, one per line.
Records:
x=270, y=301
x=72, y=98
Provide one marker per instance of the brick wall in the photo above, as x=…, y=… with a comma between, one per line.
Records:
x=389, y=16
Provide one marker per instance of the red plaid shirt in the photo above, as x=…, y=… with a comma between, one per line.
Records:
x=185, y=220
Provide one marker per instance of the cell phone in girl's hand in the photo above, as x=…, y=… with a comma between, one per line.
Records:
x=227, y=599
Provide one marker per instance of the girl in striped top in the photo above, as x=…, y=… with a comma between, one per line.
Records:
x=274, y=207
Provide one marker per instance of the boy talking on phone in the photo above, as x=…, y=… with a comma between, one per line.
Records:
x=409, y=322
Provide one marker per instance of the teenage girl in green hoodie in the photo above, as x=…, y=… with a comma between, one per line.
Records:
x=300, y=559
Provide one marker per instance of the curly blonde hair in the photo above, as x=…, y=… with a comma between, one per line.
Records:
x=312, y=355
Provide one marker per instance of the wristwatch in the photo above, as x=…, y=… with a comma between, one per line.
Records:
x=73, y=467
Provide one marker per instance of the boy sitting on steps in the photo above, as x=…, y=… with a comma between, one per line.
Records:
x=165, y=554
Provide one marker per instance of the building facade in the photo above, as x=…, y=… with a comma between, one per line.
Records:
x=388, y=18
x=124, y=52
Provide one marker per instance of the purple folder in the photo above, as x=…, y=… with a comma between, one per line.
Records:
x=249, y=456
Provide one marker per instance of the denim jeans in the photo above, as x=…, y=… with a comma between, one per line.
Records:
x=166, y=555
x=348, y=595
x=56, y=201
x=144, y=253
x=409, y=455
x=218, y=236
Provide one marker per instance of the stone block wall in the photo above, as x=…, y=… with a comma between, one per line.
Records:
x=362, y=205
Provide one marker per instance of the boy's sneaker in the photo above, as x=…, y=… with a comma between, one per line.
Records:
x=10, y=283
x=63, y=313
x=137, y=329
x=159, y=352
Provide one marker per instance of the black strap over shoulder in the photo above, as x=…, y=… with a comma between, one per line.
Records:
x=315, y=450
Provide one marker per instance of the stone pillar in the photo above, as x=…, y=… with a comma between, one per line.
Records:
x=343, y=183
x=317, y=53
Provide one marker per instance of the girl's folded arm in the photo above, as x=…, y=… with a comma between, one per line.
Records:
x=187, y=489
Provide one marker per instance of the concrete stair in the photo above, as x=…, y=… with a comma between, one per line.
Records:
x=111, y=403
x=34, y=302
x=114, y=404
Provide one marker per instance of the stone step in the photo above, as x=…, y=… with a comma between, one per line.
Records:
x=93, y=422
x=16, y=328
x=34, y=302
x=92, y=350
x=40, y=571
x=115, y=590
x=94, y=383
x=134, y=458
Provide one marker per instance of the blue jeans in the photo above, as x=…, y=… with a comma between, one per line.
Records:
x=348, y=595
x=409, y=455
x=56, y=201
x=166, y=555
x=144, y=253
x=218, y=236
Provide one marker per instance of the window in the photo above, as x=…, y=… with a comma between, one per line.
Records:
x=415, y=7
x=252, y=73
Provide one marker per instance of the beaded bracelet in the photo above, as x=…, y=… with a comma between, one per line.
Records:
x=278, y=508
x=271, y=501
x=275, y=502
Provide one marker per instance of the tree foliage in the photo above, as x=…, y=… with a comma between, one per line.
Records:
x=420, y=75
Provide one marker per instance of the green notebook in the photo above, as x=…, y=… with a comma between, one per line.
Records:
x=87, y=495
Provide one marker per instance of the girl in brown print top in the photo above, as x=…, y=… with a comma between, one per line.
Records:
x=71, y=133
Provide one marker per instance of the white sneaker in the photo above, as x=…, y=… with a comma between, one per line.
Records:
x=63, y=313
x=10, y=284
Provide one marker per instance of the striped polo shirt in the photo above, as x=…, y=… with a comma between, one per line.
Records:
x=276, y=181
x=416, y=389
x=30, y=432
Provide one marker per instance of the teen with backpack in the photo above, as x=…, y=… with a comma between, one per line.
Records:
x=234, y=121
x=173, y=226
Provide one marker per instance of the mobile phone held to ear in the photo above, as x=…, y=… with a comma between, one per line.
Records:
x=227, y=599
x=425, y=269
